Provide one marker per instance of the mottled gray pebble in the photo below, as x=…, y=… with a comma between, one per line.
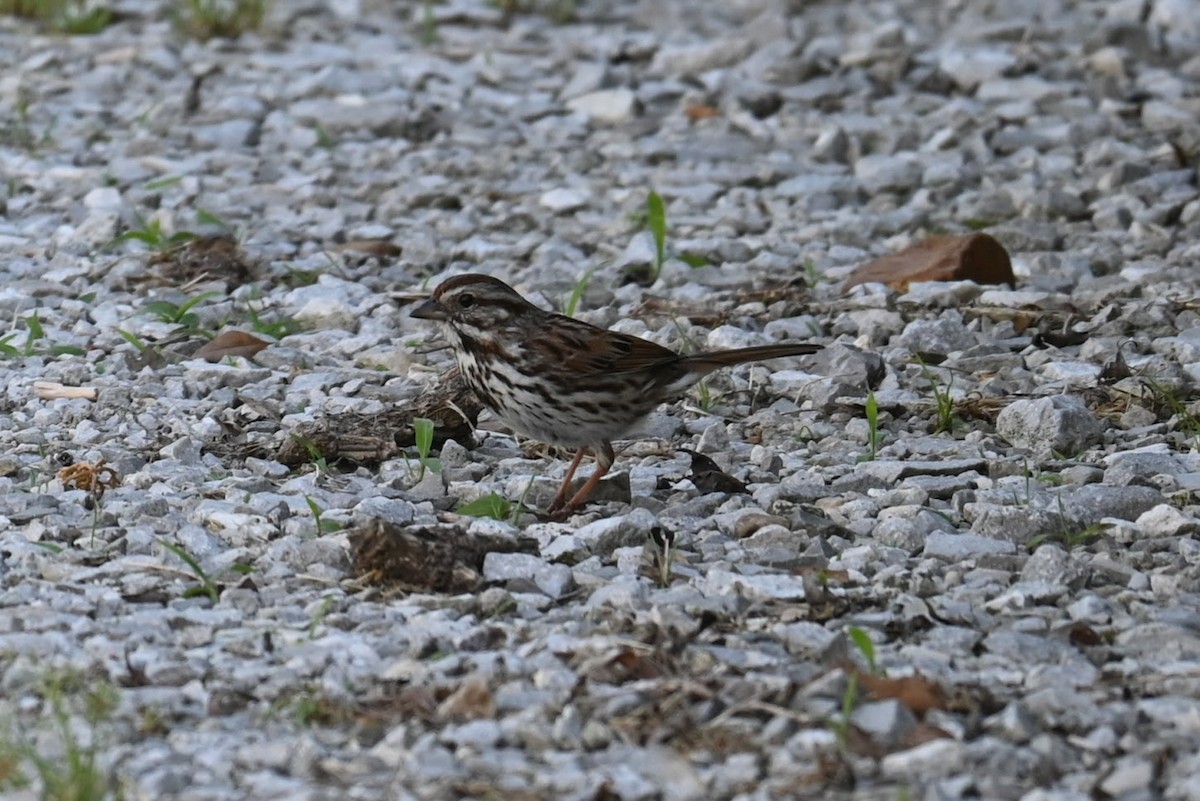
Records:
x=1061, y=423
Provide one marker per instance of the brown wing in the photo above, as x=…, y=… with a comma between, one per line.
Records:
x=587, y=350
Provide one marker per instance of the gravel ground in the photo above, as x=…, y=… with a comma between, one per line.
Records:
x=993, y=593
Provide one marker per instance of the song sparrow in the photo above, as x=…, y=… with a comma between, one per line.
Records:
x=560, y=380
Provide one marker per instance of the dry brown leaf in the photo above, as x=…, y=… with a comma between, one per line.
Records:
x=472, y=701
x=1084, y=636
x=833, y=771
x=860, y=742
x=94, y=478
x=380, y=248
x=231, y=343
x=923, y=733
x=974, y=257
x=625, y=665
x=701, y=111
x=637, y=666
x=1023, y=321
x=915, y=692
x=419, y=702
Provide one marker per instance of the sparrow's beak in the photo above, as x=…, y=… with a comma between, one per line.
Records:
x=428, y=310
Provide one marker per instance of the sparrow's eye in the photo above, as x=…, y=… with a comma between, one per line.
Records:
x=466, y=300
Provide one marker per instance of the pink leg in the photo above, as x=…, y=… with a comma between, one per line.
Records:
x=588, y=487
x=561, y=497
x=604, y=460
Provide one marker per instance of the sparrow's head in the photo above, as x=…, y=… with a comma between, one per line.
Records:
x=475, y=306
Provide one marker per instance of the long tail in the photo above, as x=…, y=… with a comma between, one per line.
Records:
x=715, y=359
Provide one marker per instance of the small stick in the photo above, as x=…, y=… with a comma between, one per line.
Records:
x=51, y=390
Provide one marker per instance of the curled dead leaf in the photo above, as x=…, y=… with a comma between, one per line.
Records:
x=1084, y=636
x=916, y=692
x=923, y=733
x=91, y=477
x=974, y=257
x=231, y=343
x=379, y=248
x=700, y=111
x=637, y=666
x=472, y=701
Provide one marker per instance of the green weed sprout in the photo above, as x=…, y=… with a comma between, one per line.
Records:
x=206, y=585
x=323, y=526
x=866, y=646
x=874, y=435
x=75, y=774
x=423, y=436
x=491, y=505
x=656, y=223
x=34, y=334
x=572, y=304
